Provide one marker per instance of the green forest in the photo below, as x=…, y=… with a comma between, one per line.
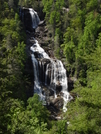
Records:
x=75, y=27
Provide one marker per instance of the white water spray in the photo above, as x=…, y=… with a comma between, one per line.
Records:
x=35, y=18
x=54, y=70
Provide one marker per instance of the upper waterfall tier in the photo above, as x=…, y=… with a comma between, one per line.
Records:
x=30, y=18
x=35, y=18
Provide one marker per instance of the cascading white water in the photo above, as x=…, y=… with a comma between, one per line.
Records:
x=36, y=48
x=57, y=76
x=46, y=74
x=37, y=87
x=35, y=18
x=52, y=72
x=62, y=76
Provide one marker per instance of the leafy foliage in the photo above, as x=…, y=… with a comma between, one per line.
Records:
x=54, y=18
x=31, y=119
x=78, y=31
x=82, y=50
x=12, y=58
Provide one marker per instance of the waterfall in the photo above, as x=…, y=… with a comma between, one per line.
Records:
x=37, y=87
x=48, y=72
x=35, y=18
x=51, y=69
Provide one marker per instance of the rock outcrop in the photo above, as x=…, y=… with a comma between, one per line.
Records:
x=30, y=18
x=51, y=75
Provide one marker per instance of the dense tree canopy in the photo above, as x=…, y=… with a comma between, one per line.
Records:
x=75, y=27
x=82, y=50
x=81, y=47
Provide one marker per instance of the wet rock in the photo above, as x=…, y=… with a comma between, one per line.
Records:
x=36, y=54
x=42, y=23
x=58, y=88
x=51, y=53
x=37, y=31
x=58, y=102
x=74, y=95
x=26, y=16
x=45, y=61
x=45, y=30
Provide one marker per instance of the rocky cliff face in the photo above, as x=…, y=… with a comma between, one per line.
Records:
x=50, y=80
x=30, y=18
x=26, y=18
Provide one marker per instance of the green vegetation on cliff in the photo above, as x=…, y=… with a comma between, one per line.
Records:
x=76, y=35
x=81, y=45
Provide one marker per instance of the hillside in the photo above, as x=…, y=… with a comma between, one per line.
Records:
x=71, y=32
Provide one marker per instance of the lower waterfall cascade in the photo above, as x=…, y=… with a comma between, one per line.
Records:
x=48, y=72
